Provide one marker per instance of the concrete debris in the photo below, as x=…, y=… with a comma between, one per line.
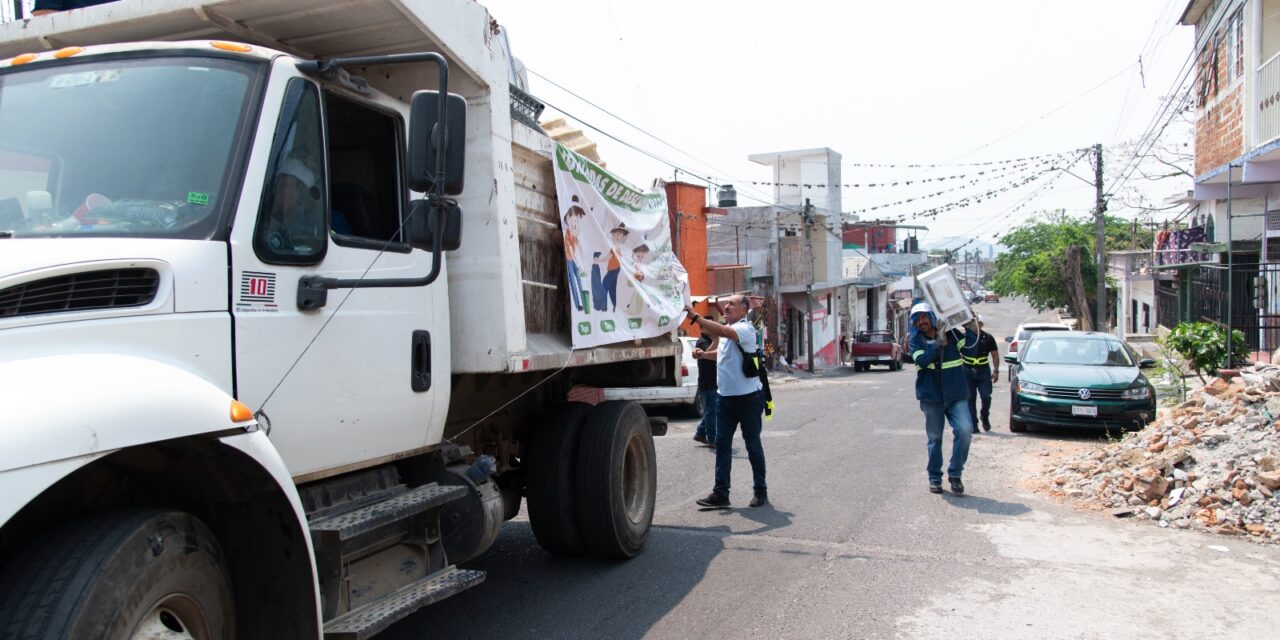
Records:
x=1210, y=464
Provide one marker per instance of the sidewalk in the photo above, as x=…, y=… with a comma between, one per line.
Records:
x=782, y=376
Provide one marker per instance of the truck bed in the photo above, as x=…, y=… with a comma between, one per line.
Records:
x=508, y=306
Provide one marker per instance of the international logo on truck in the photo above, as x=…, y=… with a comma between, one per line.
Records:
x=257, y=292
x=623, y=276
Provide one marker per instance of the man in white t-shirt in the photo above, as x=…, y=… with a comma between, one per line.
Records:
x=741, y=399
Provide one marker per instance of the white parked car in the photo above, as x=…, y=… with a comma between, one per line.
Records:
x=1023, y=331
x=685, y=395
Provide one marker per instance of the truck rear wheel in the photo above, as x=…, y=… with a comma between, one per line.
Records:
x=122, y=574
x=550, y=478
x=617, y=480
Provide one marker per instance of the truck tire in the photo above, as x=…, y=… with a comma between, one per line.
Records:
x=550, y=478
x=120, y=574
x=617, y=480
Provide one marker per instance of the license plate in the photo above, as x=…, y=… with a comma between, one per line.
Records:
x=1077, y=410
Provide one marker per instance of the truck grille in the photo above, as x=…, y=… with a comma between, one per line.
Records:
x=107, y=289
x=1074, y=393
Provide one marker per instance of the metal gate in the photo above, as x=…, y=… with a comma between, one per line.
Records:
x=1255, y=301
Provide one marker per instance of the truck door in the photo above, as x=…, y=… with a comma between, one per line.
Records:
x=350, y=382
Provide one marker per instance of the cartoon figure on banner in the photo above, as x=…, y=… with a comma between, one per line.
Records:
x=613, y=265
x=638, y=255
x=572, y=229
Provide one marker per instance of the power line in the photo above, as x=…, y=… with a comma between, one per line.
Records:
x=1209, y=37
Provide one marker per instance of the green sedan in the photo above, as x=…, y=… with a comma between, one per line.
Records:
x=1079, y=379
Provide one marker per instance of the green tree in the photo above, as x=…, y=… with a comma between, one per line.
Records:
x=1035, y=265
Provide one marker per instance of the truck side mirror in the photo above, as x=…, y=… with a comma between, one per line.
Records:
x=1011, y=358
x=426, y=134
x=1146, y=363
x=424, y=224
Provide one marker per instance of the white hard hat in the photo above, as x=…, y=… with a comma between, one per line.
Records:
x=297, y=169
x=921, y=307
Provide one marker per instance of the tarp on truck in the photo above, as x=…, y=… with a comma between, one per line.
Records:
x=624, y=277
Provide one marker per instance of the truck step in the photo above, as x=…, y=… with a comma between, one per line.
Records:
x=378, y=615
x=353, y=523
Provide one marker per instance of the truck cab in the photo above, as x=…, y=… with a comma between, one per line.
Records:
x=238, y=302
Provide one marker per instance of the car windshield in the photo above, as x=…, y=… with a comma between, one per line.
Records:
x=1099, y=352
x=882, y=338
x=135, y=148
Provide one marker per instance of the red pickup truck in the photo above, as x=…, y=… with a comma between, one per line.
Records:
x=875, y=347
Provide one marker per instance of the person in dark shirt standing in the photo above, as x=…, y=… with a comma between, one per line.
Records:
x=982, y=368
x=705, y=350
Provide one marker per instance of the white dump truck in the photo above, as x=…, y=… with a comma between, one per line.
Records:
x=283, y=339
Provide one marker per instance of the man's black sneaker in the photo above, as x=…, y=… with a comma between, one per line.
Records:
x=760, y=499
x=986, y=424
x=935, y=487
x=975, y=429
x=714, y=501
x=957, y=487
x=702, y=439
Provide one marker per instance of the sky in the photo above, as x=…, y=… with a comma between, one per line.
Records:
x=898, y=83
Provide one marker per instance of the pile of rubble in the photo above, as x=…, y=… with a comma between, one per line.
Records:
x=1212, y=463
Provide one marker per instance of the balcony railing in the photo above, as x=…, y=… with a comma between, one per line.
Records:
x=729, y=278
x=1269, y=100
x=11, y=10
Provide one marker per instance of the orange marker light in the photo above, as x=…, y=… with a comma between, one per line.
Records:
x=231, y=46
x=67, y=52
x=23, y=59
x=240, y=412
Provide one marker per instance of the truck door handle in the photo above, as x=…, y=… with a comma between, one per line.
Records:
x=420, y=376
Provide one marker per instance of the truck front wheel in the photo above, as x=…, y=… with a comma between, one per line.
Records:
x=122, y=574
x=617, y=480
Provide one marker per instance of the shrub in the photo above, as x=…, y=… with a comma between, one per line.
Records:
x=1203, y=346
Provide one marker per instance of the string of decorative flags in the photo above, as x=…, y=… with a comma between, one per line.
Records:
x=888, y=165
x=1044, y=165
x=970, y=200
x=1009, y=166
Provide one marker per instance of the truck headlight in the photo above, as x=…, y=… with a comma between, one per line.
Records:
x=1031, y=389
x=1136, y=393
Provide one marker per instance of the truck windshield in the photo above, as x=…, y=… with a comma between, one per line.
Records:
x=134, y=148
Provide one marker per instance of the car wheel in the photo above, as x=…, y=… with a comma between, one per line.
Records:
x=1015, y=425
x=696, y=409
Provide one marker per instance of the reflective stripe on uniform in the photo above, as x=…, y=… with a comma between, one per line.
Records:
x=950, y=364
x=975, y=361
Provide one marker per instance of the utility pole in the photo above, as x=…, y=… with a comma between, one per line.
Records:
x=808, y=289
x=1099, y=240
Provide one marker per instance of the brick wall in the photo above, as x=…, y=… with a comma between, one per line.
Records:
x=1220, y=131
x=877, y=239
x=1220, y=102
x=685, y=204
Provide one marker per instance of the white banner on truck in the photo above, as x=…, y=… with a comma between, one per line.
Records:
x=624, y=279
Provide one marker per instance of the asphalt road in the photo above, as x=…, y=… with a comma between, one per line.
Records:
x=855, y=547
